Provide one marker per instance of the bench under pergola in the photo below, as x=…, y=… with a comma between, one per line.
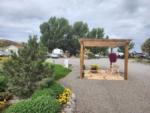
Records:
x=104, y=43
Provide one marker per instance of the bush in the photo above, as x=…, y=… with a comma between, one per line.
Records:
x=26, y=69
x=42, y=104
x=57, y=88
x=5, y=95
x=91, y=55
x=44, y=92
x=3, y=82
x=45, y=83
x=53, y=90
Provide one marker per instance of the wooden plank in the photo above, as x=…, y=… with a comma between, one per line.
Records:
x=108, y=40
x=104, y=42
x=126, y=62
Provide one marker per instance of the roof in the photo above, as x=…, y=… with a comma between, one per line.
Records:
x=12, y=46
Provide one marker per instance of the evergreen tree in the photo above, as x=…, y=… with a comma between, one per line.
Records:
x=26, y=68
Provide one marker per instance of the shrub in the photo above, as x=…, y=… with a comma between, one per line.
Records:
x=5, y=96
x=3, y=82
x=45, y=83
x=42, y=104
x=54, y=90
x=57, y=88
x=91, y=55
x=44, y=92
x=26, y=69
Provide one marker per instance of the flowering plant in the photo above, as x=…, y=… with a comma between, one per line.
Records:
x=65, y=96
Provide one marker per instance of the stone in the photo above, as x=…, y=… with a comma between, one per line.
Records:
x=69, y=103
x=73, y=105
x=73, y=97
x=70, y=106
x=69, y=110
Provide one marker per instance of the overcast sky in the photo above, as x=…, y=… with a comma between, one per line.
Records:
x=119, y=18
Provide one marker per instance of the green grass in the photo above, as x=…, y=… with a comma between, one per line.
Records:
x=60, y=71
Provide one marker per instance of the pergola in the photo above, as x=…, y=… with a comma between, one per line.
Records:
x=104, y=43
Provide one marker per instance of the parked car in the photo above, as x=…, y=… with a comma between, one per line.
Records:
x=54, y=55
x=58, y=52
x=120, y=54
x=97, y=55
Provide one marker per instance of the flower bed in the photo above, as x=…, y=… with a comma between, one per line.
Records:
x=54, y=99
x=50, y=91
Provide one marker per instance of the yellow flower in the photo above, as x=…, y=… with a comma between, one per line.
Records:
x=65, y=96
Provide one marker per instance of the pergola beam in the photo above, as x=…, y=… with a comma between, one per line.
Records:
x=104, y=42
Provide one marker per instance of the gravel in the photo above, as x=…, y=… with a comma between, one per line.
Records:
x=108, y=96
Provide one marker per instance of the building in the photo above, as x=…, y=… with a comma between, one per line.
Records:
x=12, y=48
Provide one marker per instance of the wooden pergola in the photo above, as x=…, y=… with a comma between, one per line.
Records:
x=104, y=43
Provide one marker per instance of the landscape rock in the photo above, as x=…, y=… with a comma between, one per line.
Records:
x=70, y=106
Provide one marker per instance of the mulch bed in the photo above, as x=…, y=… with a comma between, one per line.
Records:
x=103, y=74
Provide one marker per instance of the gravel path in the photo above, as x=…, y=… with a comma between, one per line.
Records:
x=100, y=96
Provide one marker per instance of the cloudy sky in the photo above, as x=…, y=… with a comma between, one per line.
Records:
x=119, y=18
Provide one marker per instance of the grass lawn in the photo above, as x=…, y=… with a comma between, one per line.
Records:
x=60, y=71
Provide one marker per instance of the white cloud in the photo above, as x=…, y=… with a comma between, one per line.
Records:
x=120, y=18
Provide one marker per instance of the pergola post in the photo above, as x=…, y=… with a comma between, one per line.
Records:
x=81, y=60
x=126, y=62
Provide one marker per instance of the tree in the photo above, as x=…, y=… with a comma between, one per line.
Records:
x=98, y=33
x=122, y=49
x=27, y=68
x=54, y=32
x=57, y=33
x=146, y=46
x=80, y=29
